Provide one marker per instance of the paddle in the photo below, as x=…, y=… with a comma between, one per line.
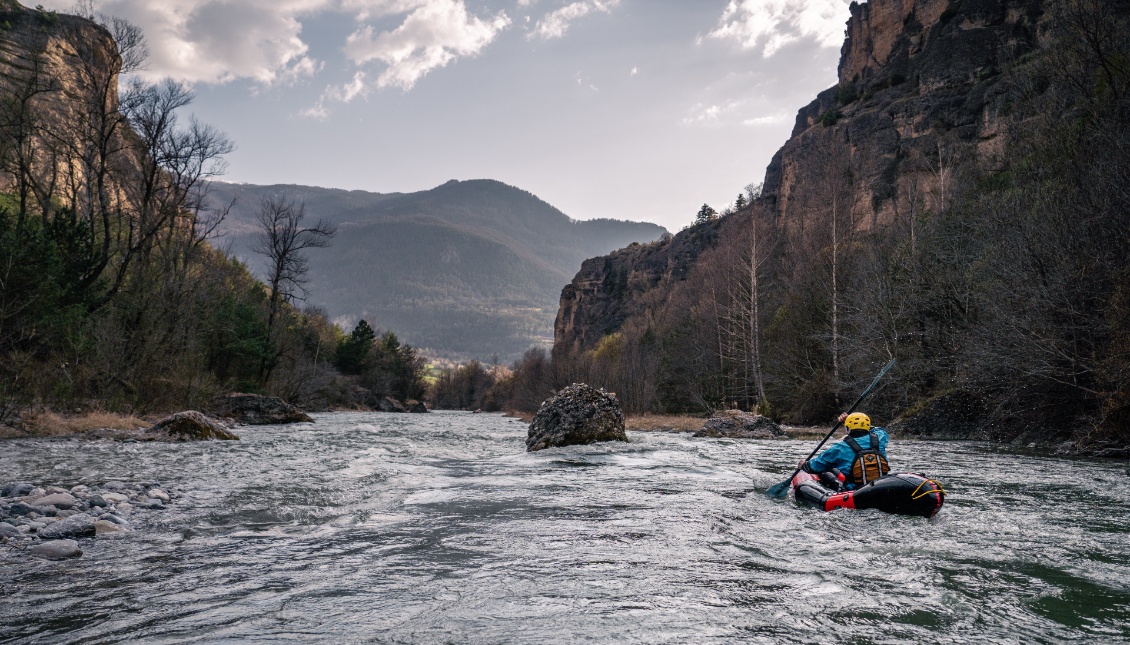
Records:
x=782, y=489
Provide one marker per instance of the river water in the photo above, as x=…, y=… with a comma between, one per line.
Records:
x=440, y=528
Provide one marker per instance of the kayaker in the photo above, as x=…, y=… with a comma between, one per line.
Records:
x=860, y=457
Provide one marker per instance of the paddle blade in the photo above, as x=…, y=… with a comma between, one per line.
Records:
x=779, y=490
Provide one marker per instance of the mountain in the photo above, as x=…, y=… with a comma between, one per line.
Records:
x=466, y=269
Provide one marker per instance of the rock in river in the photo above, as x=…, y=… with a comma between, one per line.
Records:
x=740, y=425
x=17, y=489
x=75, y=526
x=578, y=414
x=56, y=550
x=190, y=426
x=58, y=500
x=104, y=527
x=254, y=409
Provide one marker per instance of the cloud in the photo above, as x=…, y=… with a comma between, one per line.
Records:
x=220, y=41
x=556, y=23
x=771, y=119
x=701, y=113
x=769, y=25
x=336, y=94
x=216, y=41
x=433, y=34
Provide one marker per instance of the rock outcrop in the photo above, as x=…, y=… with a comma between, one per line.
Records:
x=191, y=426
x=919, y=88
x=255, y=409
x=578, y=414
x=922, y=86
x=735, y=424
x=608, y=290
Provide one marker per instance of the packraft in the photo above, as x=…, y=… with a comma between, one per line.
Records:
x=901, y=494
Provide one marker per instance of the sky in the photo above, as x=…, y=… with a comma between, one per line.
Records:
x=629, y=109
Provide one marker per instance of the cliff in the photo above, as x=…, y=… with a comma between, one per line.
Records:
x=57, y=72
x=919, y=89
x=58, y=50
x=628, y=282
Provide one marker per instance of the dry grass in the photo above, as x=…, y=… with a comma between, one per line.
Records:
x=804, y=432
x=663, y=423
x=51, y=424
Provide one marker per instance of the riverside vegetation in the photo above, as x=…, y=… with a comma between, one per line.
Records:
x=112, y=296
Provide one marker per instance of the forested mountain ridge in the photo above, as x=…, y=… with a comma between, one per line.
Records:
x=469, y=268
x=952, y=202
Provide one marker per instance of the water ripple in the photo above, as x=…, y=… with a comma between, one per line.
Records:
x=440, y=528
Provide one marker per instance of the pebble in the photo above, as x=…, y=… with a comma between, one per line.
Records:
x=17, y=489
x=23, y=508
x=103, y=527
x=49, y=519
x=58, y=500
x=56, y=550
x=76, y=526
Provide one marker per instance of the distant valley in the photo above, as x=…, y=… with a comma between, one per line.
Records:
x=466, y=269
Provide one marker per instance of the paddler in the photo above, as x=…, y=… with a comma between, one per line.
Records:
x=860, y=457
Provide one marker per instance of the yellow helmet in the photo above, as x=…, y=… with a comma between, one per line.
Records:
x=857, y=421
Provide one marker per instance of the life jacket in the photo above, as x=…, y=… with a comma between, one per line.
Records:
x=869, y=464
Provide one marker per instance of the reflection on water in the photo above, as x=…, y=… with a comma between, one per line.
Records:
x=439, y=527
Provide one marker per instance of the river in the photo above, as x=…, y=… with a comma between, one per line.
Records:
x=440, y=528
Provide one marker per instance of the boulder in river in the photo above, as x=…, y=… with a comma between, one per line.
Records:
x=191, y=426
x=415, y=406
x=736, y=424
x=75, y=526
x=578, y=414
x=56, y=550
x=256, y=410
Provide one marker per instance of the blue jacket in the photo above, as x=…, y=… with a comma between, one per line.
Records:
x=840, y=455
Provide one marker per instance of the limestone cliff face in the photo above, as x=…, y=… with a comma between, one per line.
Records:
x=919, y=90
x=62, y=50
x=607, y=290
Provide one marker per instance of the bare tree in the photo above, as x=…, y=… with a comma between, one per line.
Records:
x=283, y=241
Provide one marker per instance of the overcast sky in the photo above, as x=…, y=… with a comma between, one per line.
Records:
x=631, y=109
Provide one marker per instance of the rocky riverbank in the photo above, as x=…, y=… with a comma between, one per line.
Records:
x=54, y=522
